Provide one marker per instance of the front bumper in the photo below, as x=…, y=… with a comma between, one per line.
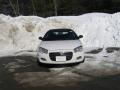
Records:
x=76, y=57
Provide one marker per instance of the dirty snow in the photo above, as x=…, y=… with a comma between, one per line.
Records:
x=28, y=73
x=21, y=33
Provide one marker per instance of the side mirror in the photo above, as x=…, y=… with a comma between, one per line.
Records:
x=40, y=38
x=80, y=36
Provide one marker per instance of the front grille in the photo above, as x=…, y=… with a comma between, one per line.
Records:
x=54, y=54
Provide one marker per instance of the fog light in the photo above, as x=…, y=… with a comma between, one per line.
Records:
x=43, y=59
x=79, y=57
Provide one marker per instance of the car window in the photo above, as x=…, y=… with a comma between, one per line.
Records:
x=60, y=35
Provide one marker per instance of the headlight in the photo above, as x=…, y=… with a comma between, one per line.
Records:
x=78, y=49
x=43, y=50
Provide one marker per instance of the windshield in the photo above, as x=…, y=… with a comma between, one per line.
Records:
x=60, y=35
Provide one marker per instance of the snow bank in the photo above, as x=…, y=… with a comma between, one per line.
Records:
x=99, y=30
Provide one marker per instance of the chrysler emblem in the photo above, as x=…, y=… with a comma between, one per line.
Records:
x=61, y=53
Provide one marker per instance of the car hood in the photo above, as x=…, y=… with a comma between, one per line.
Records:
x=60, y=45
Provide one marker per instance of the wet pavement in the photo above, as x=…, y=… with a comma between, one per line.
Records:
x=98, y=72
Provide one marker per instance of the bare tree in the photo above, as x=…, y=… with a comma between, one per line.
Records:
x=18, y=8
x=13, y=7
x=34, y=9
x=55, y=7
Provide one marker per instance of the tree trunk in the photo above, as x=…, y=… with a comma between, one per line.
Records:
x=34, y=9
x=55, y=7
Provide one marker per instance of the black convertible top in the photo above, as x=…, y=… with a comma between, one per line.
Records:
x=61, y=30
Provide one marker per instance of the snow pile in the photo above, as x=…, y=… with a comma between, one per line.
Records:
x=99, y=30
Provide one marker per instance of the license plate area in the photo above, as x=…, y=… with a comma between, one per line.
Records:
x=60, y=58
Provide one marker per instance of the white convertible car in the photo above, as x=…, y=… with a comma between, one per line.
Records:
x=60, y=46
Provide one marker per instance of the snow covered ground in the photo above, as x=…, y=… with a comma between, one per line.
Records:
x=21, y=33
